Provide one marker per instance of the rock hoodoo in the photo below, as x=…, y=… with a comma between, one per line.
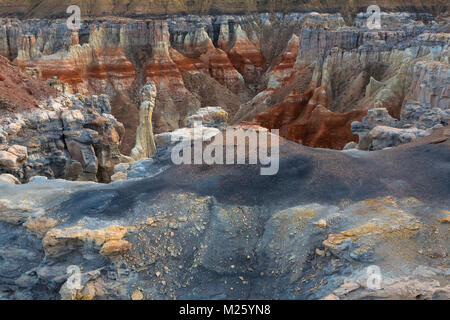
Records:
x=145, y=142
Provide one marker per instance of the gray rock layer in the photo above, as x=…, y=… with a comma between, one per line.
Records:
x=225, y=232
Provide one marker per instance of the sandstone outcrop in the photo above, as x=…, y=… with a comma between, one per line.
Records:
x=375, y=117
x=18, y=90
x=246, y=57
x=75, y=139
x=202, y=126
x=308, y=74
x=214, y=117
x=6, y=177
x=247, y=64
x=351, y=53
x=425, y=108
x=305, y=119
x=382, y=137
x=430, y=85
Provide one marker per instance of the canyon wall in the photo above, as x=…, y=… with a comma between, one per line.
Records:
x=308, y=74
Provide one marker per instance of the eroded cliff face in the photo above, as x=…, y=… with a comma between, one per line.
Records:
x=46, y=133
x=310, y=75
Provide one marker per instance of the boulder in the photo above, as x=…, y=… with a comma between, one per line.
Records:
x=375, y=117
x=382, y=137
x=214, y=117
x=351, y=145
x=8, y=160
x=185, y=134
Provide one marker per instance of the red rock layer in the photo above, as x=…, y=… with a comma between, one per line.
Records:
x=283, y=72
x=187, y=64
x=160, y=68
x=86, y=69
x=221, y=69
x=92, y=70
x=18, y=90
x=304, y=118
x=65, y=70
x=199, y=48
x=111, y=65
x=246, y=57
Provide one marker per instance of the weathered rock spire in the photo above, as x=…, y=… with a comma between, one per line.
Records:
x=145, y=142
